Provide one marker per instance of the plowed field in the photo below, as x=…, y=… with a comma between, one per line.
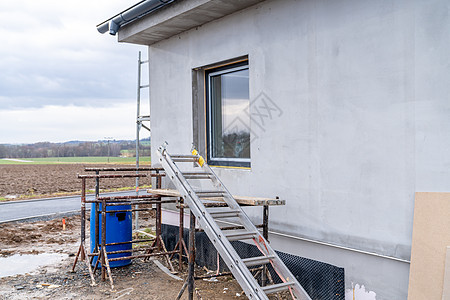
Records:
x=47, y=180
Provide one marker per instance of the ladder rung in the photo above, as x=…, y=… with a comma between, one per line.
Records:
x=275, y=288
x=196, y=176
x=259, y=260
x=232, y=228
x=210, y=196
x=215, y=204
x=184, y=159
x=236, y=236
x=224, y=214
x=206, y=194
x=143, y=119
x=144, y=86
x=183, y=156
x=197, y=173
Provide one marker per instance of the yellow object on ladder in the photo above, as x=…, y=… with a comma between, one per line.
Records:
x=201, y=160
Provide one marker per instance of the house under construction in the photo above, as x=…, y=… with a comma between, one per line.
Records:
x=340, y=108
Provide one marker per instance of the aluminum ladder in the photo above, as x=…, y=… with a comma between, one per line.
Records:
x=201, y=203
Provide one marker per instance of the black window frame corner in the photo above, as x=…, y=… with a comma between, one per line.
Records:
x=226, y=162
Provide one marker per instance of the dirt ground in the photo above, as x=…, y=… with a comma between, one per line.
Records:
x=47, y=180
x=53, y=280
x=140, y=280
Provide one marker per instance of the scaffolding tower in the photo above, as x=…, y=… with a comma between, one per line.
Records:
x=140, y=119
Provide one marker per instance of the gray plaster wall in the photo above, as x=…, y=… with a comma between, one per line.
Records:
x=362, y=88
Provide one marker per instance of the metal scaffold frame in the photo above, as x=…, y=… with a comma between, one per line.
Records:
x=140, y=119
x=153, y=199
x=147, y=202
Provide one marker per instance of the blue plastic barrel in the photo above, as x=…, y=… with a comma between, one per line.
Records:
x=118, y=229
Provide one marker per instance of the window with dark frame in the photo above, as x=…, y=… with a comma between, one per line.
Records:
x=227, y=113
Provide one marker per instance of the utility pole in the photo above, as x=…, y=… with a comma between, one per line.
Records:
x=108, y=139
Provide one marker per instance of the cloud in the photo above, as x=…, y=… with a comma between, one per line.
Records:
x=63, y=123
x=52, y=54
x=59, y=78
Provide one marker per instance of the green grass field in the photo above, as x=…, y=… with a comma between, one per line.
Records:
x=144, y=160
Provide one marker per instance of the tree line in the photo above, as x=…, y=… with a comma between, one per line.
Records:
x=72, y=149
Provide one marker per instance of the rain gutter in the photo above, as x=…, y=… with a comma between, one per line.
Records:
x=129, y=15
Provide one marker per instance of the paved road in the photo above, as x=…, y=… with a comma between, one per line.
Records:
x=27, y=209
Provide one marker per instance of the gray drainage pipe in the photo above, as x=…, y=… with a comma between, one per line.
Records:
x=112, y=25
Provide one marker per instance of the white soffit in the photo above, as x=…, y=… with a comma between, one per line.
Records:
x=180, y=16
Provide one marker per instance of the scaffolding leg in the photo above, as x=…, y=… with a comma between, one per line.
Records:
x=76, y=259
x=108, y=269
x=91, y=274
x=103, y=247
x=183, y=288
x=266, y=236
x=191, y=283
x=181, y=245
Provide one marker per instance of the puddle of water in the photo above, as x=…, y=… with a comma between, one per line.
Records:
x=26, y=263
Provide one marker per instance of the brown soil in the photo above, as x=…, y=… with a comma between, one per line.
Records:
x=47, y=180
x=140, y=280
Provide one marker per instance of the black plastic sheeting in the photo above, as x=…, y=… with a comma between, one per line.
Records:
x=320, y=280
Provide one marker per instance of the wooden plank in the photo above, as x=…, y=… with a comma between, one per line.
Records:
x=164, y=192
x=242, y=200
x=431, y=236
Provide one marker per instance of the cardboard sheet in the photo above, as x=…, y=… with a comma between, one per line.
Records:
x=446, y=288
x=431, y=236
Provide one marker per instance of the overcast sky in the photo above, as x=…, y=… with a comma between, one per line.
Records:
x=60, y=79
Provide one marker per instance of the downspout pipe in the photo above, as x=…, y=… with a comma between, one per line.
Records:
x=112, y=25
